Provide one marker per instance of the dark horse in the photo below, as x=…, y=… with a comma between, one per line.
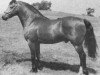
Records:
x=40, y=29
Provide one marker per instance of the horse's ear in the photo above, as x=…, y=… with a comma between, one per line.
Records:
x=14, y=1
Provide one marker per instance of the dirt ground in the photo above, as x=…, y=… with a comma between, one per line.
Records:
x=57, y=59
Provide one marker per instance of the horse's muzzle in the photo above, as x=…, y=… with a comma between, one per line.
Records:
x=4, y=18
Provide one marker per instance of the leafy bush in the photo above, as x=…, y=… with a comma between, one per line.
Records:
x=43, y=5
x=90, y=11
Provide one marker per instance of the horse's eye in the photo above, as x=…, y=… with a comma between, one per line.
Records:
x=11, y=7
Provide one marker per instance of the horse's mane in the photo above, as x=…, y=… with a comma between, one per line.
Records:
x=30, y=7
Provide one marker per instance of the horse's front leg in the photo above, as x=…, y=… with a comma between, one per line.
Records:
x=83, y=69
x=39, y=64
x=32, y=47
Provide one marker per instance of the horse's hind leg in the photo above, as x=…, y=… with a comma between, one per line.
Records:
x=32, y=47
x=82, y=56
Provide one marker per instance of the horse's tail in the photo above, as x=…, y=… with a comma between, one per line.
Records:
x=90, y=41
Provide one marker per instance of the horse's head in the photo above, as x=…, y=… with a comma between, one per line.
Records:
x=11, y=11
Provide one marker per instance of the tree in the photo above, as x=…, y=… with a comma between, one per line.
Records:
x=90, y=11
x=43, y=5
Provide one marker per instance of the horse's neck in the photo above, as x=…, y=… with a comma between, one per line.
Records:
x=27, y=17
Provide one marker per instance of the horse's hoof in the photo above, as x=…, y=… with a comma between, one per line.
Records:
x=40, y=67
x=86, y=72
x=34, y=70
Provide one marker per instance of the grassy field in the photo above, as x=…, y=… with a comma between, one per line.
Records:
x=57, y=59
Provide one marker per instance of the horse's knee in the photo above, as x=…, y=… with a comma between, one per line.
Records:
x=82, y=55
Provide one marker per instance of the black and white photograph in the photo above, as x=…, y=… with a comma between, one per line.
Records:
x=49, y=37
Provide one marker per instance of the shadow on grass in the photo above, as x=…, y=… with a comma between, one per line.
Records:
x=59, y=66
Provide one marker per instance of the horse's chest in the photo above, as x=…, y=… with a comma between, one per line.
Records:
x=31, y=33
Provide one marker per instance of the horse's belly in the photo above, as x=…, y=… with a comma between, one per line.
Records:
x=49, y=41
x=49, y=38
